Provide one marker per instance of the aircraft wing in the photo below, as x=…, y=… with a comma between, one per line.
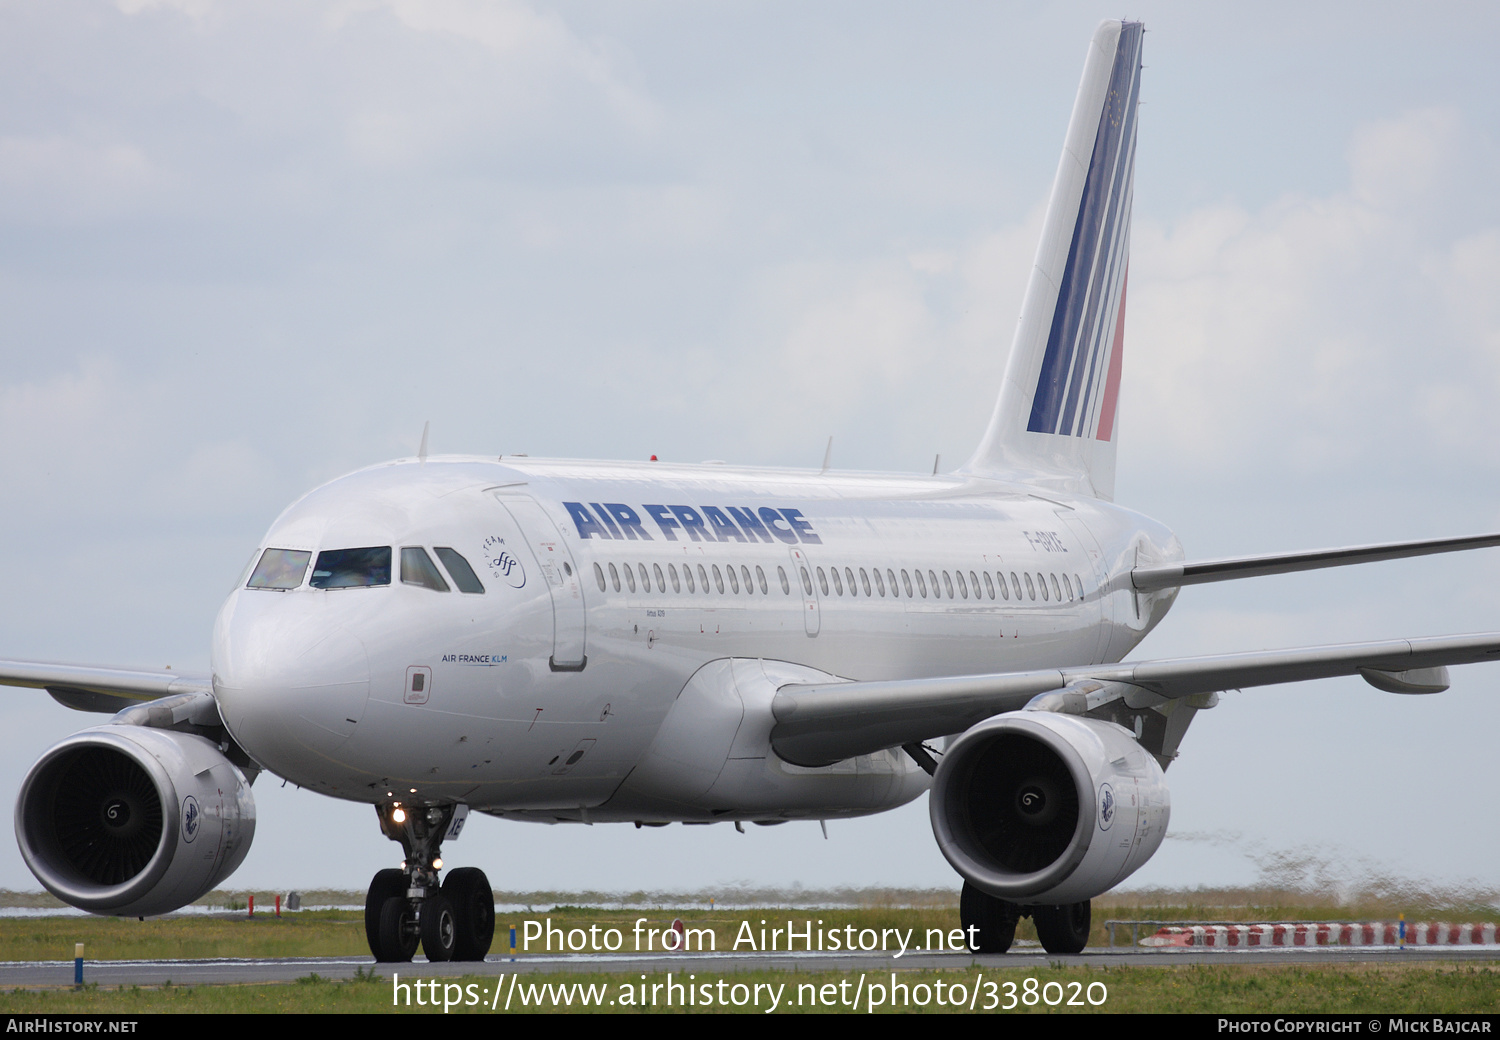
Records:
x=87, y=688
x=824, y=723
x=1173, y=575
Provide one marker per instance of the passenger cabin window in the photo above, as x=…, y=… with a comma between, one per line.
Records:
x=352, y=568
x=599, y=577
x=417, y=568
x=280, y=569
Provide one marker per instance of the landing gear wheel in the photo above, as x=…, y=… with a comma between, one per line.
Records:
x=439, y=927
x=474, y=912
x=993, y=920
x=385, y=885
x=1063, y=929
x=398, y=933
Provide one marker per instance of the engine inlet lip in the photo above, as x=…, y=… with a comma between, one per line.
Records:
x=39, y=849
x=952, y=830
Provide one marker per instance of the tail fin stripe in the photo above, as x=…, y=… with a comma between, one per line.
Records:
x=1116, y=359
x=1097, y=230
x=1116, y=126
x=1104, y=294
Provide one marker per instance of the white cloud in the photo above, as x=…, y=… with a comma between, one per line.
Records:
x=1272, y=337
x=67, y=178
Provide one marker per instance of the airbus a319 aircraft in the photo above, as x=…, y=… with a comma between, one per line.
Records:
x=658, y=643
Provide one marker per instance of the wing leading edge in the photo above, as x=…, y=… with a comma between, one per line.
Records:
x=1146, y=579
x=99, y=689
x=824, y=723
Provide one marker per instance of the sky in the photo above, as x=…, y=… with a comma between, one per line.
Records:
x=248, y=247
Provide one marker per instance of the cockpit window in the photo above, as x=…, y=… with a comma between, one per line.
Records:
x=279, y=569
x=459, y=569
x=352, y=568
x=417, y=568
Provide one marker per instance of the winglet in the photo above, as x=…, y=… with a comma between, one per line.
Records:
x=1057, y=415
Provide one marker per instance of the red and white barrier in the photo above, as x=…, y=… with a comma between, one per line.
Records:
x=1379, y=933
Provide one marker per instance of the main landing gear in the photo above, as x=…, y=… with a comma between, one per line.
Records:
x=454, y=921
x=1062, y=929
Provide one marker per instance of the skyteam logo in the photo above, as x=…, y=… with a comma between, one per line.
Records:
x=503, y=563
x=1106, y=806
x=192, y=817
x=1079, y=382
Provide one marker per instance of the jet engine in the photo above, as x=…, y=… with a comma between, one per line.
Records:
x=130, y=820
x=1037, y=807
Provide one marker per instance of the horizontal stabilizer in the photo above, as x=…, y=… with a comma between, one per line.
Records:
x=1175, y=575
x=820, y=724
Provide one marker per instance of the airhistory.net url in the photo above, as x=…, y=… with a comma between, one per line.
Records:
x=510, y=993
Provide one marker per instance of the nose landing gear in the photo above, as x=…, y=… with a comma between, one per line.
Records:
x=451, y=921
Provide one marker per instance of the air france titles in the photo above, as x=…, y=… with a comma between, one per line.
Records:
x=616, y=520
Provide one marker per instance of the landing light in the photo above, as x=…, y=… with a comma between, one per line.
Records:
x=399, y=816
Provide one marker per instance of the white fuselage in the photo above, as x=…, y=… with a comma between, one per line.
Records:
x=548, y=696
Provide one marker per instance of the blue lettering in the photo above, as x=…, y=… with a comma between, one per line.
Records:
x=603, y=514
x=723, y=526
x=630, y=521
x=748, y=521
x=587, y=526
x=693, y=524
x=778, y=525
x=801, y=526
x=664, y=520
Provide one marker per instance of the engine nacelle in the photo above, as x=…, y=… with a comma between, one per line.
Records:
x=1043, y=808
x=133, y=821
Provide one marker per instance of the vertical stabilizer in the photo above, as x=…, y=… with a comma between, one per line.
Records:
x=1057, y=416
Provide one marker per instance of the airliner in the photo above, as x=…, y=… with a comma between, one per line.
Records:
x=657, y=643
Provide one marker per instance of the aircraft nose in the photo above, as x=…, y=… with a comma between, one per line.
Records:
x=290, y=680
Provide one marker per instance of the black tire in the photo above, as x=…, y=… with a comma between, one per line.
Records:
x=398, y=939
x=439, y=927
x=993, y=920
x=1063, y=929
x=474, y=911
x=384, y=885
